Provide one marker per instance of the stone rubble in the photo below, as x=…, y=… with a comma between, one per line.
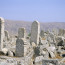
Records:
x=39, y=48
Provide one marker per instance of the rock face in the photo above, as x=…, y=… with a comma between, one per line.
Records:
x=35, y=32
x=1, y=32
x=21, y=33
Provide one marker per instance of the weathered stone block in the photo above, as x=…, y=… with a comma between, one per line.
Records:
x=1, y=32
x=50, y=61
x=35, y=32
x=20, y=47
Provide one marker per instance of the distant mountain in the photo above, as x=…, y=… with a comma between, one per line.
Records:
x=12, y=26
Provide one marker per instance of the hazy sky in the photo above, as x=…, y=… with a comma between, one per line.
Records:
x=30, y=10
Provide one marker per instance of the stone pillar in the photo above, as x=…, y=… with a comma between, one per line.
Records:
x=21, y=33
x=1, y=32
x=35, y=32
x=20, y=47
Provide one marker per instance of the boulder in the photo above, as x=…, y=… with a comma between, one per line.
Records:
x=5, y=50
x=33, y=45
x=52, y=55
x=10, y=53
x=1, y=53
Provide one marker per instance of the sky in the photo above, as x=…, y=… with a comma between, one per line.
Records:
x=30, y=10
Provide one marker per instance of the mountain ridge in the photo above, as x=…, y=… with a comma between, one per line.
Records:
x=12, y=26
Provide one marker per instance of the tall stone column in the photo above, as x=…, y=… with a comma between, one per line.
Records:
x=1, y=32
x=35, y=32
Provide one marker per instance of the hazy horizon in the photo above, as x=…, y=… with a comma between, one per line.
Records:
x=41, y=10
x=34, y=20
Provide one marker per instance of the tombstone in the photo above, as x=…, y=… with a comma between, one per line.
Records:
x=6, y=35
x=50, y=61
x=20, y=47
x=35, y=32
x=21, y=33
x=1, y=32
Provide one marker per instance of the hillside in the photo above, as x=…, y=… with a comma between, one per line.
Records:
x=12, y=26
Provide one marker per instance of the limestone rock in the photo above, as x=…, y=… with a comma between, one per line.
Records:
x=20, y=47
x=5, y=50
x=33, y=44
x=21, y=33
x=39, y=58
x=10, y=53
x=1, y=32
x=35, y=32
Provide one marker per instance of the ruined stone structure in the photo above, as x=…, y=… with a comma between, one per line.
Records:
x=45, y=48
x=35, y=32
x=1, y=32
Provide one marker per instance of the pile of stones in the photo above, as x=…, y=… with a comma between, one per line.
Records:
x=39, y=48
